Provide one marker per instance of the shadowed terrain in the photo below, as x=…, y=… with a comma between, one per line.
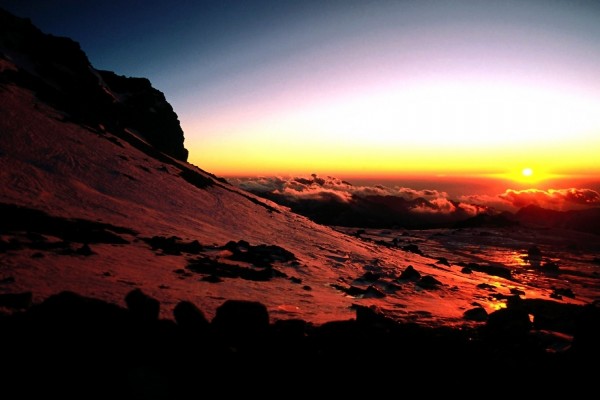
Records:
x=126, y=271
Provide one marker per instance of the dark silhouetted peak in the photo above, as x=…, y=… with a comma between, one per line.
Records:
x=59, y=72
x=487, y=220
x=146, y=110
x=587, y=220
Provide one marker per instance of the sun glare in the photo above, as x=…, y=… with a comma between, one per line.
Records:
x=471, y=127
x=528, y=176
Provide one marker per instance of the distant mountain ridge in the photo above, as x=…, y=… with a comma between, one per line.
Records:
x=578, y=220
x=59, y=72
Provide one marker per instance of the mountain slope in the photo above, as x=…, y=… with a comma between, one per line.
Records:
x=102, y=209
x=59, y=72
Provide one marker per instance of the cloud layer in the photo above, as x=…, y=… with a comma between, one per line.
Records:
x=333, y=201
x=554, y=199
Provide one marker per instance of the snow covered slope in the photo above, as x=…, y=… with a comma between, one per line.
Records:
x=99, y=212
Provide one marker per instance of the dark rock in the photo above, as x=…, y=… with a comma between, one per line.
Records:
x=290, y=329
x=16, y=218
x=534, y=256
x=370, y=276
x=428, y=282
x=190, y=318
x=391, y=287
x=59, y=72
x=373, y=292
x=8, y=279
x=511, y=323
x=211, y=279
x=85, y=250
x=16, y=300
x=410, y=274
x=550, y=266
x=241, y=322
x=486, y=286
x=260, y=255
x=354, y=291
x=173, y=245
x=443, y=261
x=496, y=270
x=71, y=313
x=587, y=332
x=142, y=306
x=145, y=109
x=567, y=292
x=476, y=314
x=371, y=316
x=412, y=248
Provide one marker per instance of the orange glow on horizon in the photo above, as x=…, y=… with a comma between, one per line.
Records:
x=429, y=128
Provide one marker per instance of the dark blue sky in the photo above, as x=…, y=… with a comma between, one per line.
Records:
x=308, y=85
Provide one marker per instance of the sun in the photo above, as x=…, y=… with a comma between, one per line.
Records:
x=525, y=175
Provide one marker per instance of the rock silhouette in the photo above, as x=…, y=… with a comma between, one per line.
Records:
x=110, y=348
x=61, y=74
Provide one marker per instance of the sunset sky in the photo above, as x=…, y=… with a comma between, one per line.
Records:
x=360, y=88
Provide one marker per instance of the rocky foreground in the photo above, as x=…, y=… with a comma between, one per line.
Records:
x=75, y=345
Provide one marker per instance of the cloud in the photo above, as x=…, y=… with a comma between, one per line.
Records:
x=310, y=187
x=307, y=192
x=334, y=201
x=555, y=199
x=438, y=205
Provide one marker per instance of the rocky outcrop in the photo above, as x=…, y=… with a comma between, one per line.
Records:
x=59, y=72
x=70, y=343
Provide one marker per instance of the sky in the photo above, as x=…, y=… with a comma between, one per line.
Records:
x=360, y=88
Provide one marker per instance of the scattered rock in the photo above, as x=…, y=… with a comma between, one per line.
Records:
x=486, y=286
x=142, y=306
x=443, y=261
x=412, y=248
x=410, y=274
x=85, y=250
x=567, y=292
x=428, y=282
x=508, y=324
x=173, y=245
x=211, y=279
x=190, y=318
x=373, y=292
x=7, y=280
x=16, y=300
x=370, y=276
x=241, y=322
x=476, y=314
